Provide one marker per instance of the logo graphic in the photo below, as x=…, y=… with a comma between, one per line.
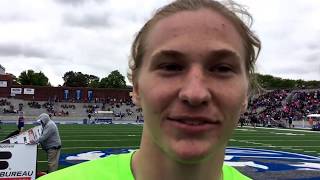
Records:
x=291, y=161
x=255, y=163
x=14, y=165
x=70, y=159
x=4, y=155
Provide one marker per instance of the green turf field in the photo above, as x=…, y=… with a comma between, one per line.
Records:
x=80, y=138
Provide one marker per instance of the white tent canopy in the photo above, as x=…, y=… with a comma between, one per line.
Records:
x=104, y=112
x=103, y=117
x=313, y=115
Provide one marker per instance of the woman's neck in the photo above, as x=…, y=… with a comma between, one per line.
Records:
x=152, y=163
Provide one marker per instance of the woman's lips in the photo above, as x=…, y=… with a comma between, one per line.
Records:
x=191, y=125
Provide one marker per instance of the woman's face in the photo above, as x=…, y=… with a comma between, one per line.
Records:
x=192, y=84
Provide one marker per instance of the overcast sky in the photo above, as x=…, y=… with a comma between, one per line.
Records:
x=94, y=36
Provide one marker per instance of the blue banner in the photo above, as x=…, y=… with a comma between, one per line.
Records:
x=78, y=94
x=90, y=95
x=66, y=94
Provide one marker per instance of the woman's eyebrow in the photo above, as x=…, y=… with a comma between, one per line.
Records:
x=220, y=54
x=168, y=54
x=223, y=54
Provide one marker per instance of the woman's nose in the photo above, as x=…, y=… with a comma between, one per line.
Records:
x=194, y=90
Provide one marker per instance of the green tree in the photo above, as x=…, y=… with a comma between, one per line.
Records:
x=270, y=82
x=94, y=84
x=104, y=83
x=75, y=79
x=312, y=84
x=30, y=77
x=114, y=80
x=93, y=81
x=299, y=83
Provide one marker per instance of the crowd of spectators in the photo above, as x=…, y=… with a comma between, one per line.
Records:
x=34, y=104
x=282, y=106
x=301, y=104
x=91, y=108
x=49, y=107
x=4, y=102
x=60, y=113
x=68, y=106
x=10, y=110
x=271, y=99
x=277, y=106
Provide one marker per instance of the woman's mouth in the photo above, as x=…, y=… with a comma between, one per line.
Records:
x=192, y=125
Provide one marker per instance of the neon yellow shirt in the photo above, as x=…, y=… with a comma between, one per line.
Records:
x=115, y=167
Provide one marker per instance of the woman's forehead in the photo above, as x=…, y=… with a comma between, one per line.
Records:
x=200, y=26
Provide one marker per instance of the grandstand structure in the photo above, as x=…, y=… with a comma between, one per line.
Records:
x=273, y=108
x=59, y=94
x=65, y=110
x=66, y=103
x=277, y=108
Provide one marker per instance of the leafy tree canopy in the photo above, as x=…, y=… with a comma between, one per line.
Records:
x=271, y=82
x=30, y=77
x=75, y=79
x=114, y=80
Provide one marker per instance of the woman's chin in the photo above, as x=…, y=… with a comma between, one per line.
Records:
x=191, y=153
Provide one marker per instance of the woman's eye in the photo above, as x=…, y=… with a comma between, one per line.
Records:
x=171, y=67
x=224, y=69
x=221, y=69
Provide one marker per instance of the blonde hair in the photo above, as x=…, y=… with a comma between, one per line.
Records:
x=231, y=10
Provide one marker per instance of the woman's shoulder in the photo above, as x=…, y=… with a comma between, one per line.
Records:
x=232, y=173
x=111, y=167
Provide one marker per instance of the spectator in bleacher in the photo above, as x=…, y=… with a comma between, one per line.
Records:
x=89, y=118
x=241, y=121
x=191, y=67
x=253, y=120
x=50, y=141
x=290, y=121
x=20, y=121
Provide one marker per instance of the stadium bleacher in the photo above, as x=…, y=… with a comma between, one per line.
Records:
x=272, y=108
x=278, y=106
x=66, y=110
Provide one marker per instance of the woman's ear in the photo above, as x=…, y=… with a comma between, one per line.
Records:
x=135, y=94
x=244, y=106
